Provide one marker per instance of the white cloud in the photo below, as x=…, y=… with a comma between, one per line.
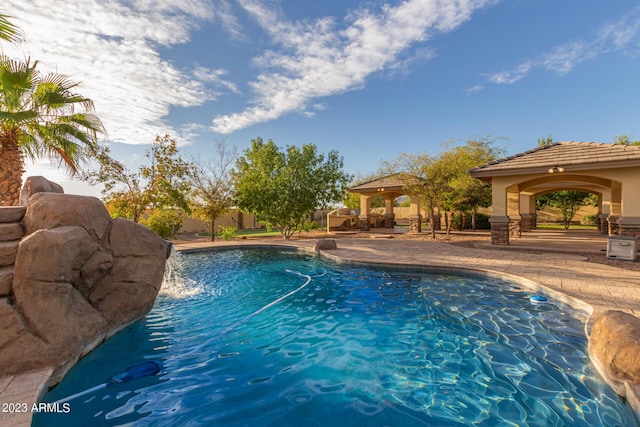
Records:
x=620, y=36
x=508, y=77
x=474, y=89
x=113, y=49
x=318, y=59
x=224, y=14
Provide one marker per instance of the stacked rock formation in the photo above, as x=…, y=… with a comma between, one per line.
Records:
x=79, y=277
x=614, y=349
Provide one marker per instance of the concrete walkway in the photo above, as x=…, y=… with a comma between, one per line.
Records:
x=18, y=395
x=565, y=276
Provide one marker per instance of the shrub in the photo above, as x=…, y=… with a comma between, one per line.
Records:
x=457, y=218
x=590, y=219
x=482, y=221
x=310, y=225
x=227, y=232
x=165, y=222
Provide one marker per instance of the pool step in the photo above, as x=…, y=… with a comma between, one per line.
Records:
x=8, y=252
x=10, y=214
x=11, y=232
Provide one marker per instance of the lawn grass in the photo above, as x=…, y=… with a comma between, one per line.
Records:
x=571, y=227
x=260, y=232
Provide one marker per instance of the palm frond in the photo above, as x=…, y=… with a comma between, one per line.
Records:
x=29, y=145
x=18, y=118
x=16, y=80
x=49, y=117
x=9, y=31
x=89, y=123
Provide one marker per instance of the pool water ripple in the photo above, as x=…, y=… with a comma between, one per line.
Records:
x=358, y=346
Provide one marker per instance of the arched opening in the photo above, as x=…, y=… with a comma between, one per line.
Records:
x=610, y=171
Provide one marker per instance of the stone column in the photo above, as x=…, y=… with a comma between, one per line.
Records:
x=389, y=220
x=603, y=223
x=364, y=223
x=514, y=227
x=415, y=218
x=513, y=212
x=527, y=222
x=614, y=227
x=415, y=223
x=527, y=212
x=365, y=207
x=499, y=230
x=604, y=208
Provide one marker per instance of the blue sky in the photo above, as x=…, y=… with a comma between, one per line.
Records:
x=371, y=79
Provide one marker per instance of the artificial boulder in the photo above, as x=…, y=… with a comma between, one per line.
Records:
x=614, y=348
x=136, y=275
x=37, y=184
x=325, y=245
x=79, y=277
x=50, y=210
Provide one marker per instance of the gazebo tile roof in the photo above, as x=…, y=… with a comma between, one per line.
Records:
x=390, y=181
x=577, y=155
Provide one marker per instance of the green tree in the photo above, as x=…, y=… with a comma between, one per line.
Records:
x=168, y=176
x=283, y=187
x=545, y=141
x=164, y=183
x=123, y=190
x=625, y=140
x=568, y=201
x=41, y=116
x=443, y=181
x=425, y=176
x=472, y=193
x=212, y=186
x=165, y=222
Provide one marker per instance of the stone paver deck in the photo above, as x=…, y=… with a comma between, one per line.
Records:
x=18, y=394
x=592, y=287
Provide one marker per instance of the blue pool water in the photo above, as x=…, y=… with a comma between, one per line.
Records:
x=351, y=346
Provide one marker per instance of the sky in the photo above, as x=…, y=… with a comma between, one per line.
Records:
x=371, y=79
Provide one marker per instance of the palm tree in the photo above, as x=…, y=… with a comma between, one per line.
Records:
x=40, y=116
x=8, y=31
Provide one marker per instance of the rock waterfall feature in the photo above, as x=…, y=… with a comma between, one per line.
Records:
x=79, y=276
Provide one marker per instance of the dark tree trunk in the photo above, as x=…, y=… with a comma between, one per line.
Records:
x=11, y=169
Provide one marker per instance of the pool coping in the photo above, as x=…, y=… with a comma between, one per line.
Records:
x=510, y=266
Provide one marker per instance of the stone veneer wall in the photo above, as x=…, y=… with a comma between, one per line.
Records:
x=514, y=228
x=528, y=222
x=500, y=233
x=630, y=231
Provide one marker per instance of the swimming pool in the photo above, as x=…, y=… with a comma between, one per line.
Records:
x=349, y=346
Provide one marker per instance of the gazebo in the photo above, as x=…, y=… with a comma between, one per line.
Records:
x=389, y=187
x=612, y=172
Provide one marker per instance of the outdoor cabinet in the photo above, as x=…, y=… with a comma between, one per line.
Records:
x=622, y=247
